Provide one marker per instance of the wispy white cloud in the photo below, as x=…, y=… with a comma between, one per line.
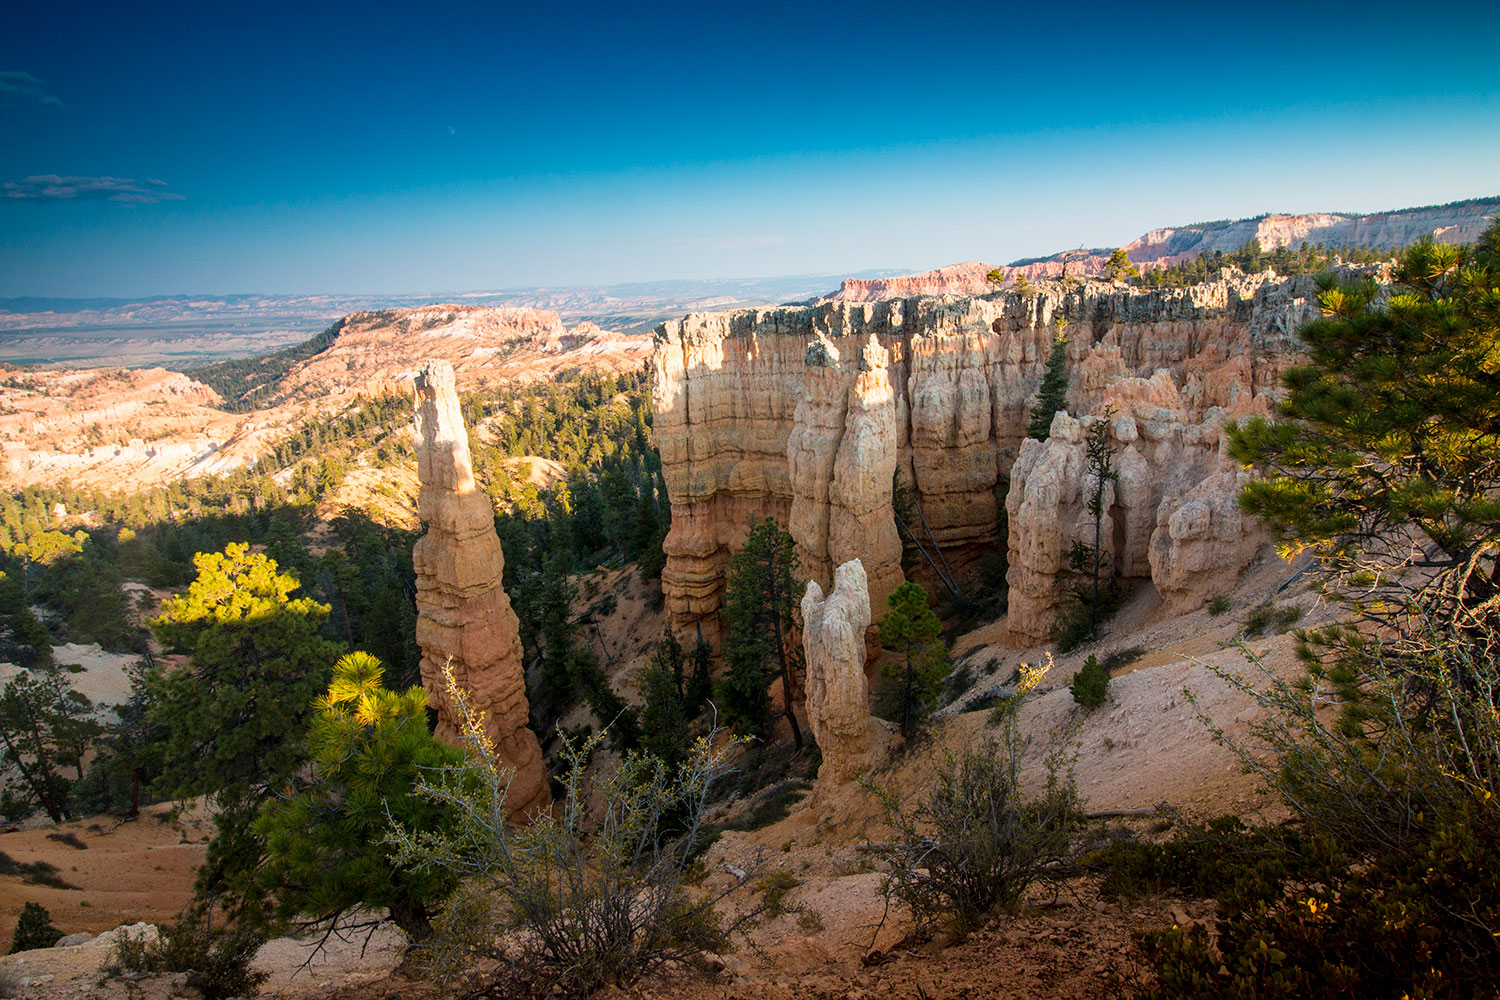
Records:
x=726, y=244
x=121, y=190
x=18, y=85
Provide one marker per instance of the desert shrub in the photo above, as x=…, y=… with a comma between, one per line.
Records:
x=1271, y=619
x=956, y=683
x=1220, y=857
x=216, y=958
x=1409, y=923
x=976, y=844
x=1218, y=605
x=766, y=766
x=34, y=929
x=1090, y=685
x=1392, y=886
x=132, y=953
x=571, y=903
x=775, y=886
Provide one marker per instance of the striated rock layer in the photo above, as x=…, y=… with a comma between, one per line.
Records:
x=463, y=613
x=760, y=412
x=1458, y=222
x=838, y=698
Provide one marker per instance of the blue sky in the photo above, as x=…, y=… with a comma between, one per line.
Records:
x=436, y=146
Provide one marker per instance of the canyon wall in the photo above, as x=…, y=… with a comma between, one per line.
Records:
x=786, y=412
x=464, y=618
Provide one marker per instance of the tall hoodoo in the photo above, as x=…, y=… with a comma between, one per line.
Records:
x=463, y=613
x=841, y=458
x=838, y=699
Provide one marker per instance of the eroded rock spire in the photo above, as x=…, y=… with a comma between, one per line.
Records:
x=463, y=613
x=838, y=697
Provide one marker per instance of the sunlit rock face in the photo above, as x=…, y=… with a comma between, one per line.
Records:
x=795, y=413
x=464, y=617
x=841, y=458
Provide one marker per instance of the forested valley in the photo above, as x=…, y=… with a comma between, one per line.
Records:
x=82, y=566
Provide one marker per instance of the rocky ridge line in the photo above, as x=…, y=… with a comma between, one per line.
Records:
x=1459, y=222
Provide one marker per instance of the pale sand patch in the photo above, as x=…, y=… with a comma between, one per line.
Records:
x=104, y=679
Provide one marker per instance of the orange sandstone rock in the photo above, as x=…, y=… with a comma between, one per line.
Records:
x=463, y=614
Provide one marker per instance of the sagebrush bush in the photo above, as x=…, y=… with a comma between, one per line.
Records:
x=977, y=844
x=1417, y=923
x=1271, y=619
x=216, y=958
x=572, y=902
x=1219, y=857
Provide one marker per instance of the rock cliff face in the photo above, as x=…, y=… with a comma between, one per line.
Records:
x=1459, y=222
x=761, y=412
x=838, y=698
x=967, y=278
x=463, y=613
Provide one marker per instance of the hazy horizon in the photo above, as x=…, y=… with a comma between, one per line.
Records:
x=296, y=151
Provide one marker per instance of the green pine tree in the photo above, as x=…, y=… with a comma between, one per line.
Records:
x=324, y=846
x=664, y=717
x=45, y=726
x=34, y=929
x=24, y=640
x=1119, y=266
x=1385, y=458
x=760, y=596
x=909, y=685
x=700, y=685
x=233, y=722
x=1052, y=396
x=1091, y=684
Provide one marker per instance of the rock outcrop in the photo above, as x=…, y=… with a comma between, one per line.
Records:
x=759, y=412
x=838, y=698
x=1167, y=446
x=1202, y=539
x=463, y=614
